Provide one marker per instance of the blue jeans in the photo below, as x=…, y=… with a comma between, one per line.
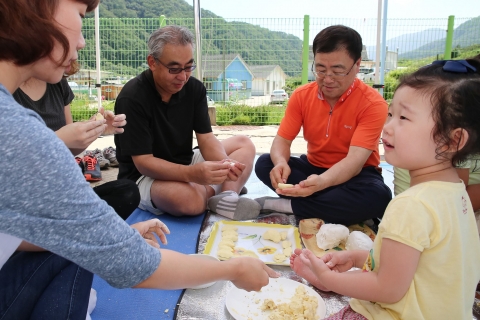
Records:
x=363, y=197
x=42, y=285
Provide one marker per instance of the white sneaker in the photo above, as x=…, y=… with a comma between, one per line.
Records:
x=92, y=302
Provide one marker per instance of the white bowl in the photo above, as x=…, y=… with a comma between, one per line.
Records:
x=208, y=257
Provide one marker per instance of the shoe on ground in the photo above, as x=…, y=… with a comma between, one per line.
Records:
x=92, y=168
x=80, y=163
x=92, y=303
x=110, y=154
x=97, y=153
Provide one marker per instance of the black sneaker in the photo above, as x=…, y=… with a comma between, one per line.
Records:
x=92, y=168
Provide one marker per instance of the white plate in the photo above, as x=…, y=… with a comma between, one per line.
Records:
x=250, y=238
x=241, y=304
x=207, y=257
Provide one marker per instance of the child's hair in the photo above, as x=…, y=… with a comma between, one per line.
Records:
x=454, y=87
x=28, y=30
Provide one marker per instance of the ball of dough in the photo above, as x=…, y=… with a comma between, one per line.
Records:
x=228, y=231
x=224, y=254
x=286, y=244
x=330, y=235
x=285, y=185
x=230, y=236
x=287, y=251
x=279, y=257
x=226, y=242
x=358, y=240
x=229, y=227
x=272, y=235
x=99, y=116
x=223, y=247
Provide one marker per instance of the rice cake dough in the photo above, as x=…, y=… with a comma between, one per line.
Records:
x=272, y=235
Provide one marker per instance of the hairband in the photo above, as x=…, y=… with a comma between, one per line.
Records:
x=457, y=66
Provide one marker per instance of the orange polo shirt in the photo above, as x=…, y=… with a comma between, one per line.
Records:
x=357, y=119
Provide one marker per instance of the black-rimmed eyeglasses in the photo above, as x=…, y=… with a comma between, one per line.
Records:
x=177, y=70
x=334, y=75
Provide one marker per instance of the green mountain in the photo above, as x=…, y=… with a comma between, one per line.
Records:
x=123, y=41
x=148, y=9
x=465, y=35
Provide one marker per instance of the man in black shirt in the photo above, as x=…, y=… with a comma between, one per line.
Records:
x=164, y=106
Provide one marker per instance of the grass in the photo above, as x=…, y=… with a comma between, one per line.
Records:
x=233, y=114
x=84, y=109
x=247, y=115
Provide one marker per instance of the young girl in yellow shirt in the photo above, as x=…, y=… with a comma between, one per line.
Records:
x=425, y=258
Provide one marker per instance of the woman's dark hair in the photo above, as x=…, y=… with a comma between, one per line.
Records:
x=28, y=30
x=338, y=37
x=455, y=97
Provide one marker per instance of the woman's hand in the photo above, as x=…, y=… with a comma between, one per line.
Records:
x=79, y=135
x=251, y=273
x=148, y=229
x=114, y=122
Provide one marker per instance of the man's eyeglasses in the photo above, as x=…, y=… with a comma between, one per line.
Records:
x=177, y=70
x=334, y=75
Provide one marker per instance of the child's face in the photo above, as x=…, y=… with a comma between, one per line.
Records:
x=407, y=134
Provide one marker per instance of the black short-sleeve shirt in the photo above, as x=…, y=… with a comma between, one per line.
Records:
x=155, y=127
x=51, y=105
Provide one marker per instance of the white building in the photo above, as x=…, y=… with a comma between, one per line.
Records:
x=266, y=79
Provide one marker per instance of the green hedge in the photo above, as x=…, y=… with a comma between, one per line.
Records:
x=247, y=115
x=84, y=109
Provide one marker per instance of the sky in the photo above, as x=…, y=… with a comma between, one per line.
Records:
x=340, y=8
x=364, y=11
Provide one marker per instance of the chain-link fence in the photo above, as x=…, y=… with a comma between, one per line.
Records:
x=246, y=63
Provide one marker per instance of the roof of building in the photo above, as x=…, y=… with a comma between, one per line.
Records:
x=214, y=65
x=263, y=71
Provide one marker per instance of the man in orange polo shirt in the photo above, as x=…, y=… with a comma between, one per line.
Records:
x=338, y=180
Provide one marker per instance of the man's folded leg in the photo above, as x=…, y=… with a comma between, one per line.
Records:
x=230, y=205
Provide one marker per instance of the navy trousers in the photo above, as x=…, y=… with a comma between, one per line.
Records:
x=122, y=195
x=42, y=285
x=363, y=197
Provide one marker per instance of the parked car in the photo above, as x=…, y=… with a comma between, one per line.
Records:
x=362, y=72
x=234, y=84
x=210, y=101
x=370, y=77
x=73, y=85
x=278, y=96
x=361, y=76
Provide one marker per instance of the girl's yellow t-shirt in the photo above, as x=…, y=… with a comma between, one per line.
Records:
x=437, y=219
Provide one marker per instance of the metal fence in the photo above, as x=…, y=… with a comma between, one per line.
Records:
x=245, y=60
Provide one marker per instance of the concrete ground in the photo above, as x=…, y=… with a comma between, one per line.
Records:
x=262, y=137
